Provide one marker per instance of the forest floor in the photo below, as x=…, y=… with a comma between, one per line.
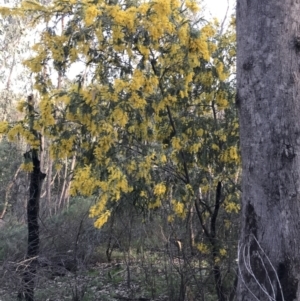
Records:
x=113, y=281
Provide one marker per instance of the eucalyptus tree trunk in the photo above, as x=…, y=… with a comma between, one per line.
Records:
x=268, y=87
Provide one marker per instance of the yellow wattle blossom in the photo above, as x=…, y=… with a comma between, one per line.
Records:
x=179, y=208
x=90, y=14
x=83, y=183
x=156, y=204
x=160, y=189
x=163, y=159
x=119, y=117
x=217, y=260
x=137, y=102
x=230, y=155
x=14, y=131
x=162, y=7
x=143, y=8
x=176, y=143
x=3, y=127
x=232, y=207
x=21, y=105
x=192, y=5
x=73, y=55
x=195, y=148
x=143, y=193
x=203, y=248
x=131, y=166
x=220, y=70
x=223, y=252
x=102, y=219
x=125, y=18
x=227, y=224
x=46, y=108
x=215, y=147
x=171, y=218
x=200, y=132
x=233, y=154
x=58, y=166
x=27, y=166
x=223, y=138
x=222, y=103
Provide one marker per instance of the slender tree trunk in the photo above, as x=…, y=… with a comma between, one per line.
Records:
x=64, y=185
x=190, y=230
x=268, y=86
x=71, y=172
x=210, y=234
x=36, y=179
x=7, y=193
x=49, y=182
x=64, y=195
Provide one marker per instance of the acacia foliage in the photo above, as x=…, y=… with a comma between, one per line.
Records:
x=150, y=116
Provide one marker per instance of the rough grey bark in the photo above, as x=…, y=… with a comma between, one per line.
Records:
x=268, y=85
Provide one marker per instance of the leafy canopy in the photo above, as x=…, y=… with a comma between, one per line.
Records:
x=149, y=115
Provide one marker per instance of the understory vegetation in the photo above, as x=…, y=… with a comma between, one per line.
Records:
x=133, y=257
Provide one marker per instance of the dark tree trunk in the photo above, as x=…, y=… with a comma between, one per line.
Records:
x=211, y=236
x=268, y=86
x=36, y=179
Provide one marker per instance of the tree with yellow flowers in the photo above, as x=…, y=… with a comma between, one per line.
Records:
x=149, y=115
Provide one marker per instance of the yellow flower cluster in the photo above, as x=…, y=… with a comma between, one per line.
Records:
x=3, y=127
x=192, y=5
x=203, y=248
x=124, y=18
x=221, y=73
x=176, y=143
x=20, y=106
x=103, y=147
x=84, y=183
x=162, y=7
x=230, y=155
x=156, y=204
x=91, y=13
x=73, y=55
x=137, y=102
x=137, y=80
x=179, y=209
x=194, y=148
x=46, y=112
x=200, y=46
x=119, y=117
x=160, y=189
x=102, y=219
x=223, y=252
x=171, y=218
x=232, y=207
x=27, y=166
x=29, y=137
x=118, y=182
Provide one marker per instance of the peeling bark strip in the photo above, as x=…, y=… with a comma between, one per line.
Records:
x=268, y=85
